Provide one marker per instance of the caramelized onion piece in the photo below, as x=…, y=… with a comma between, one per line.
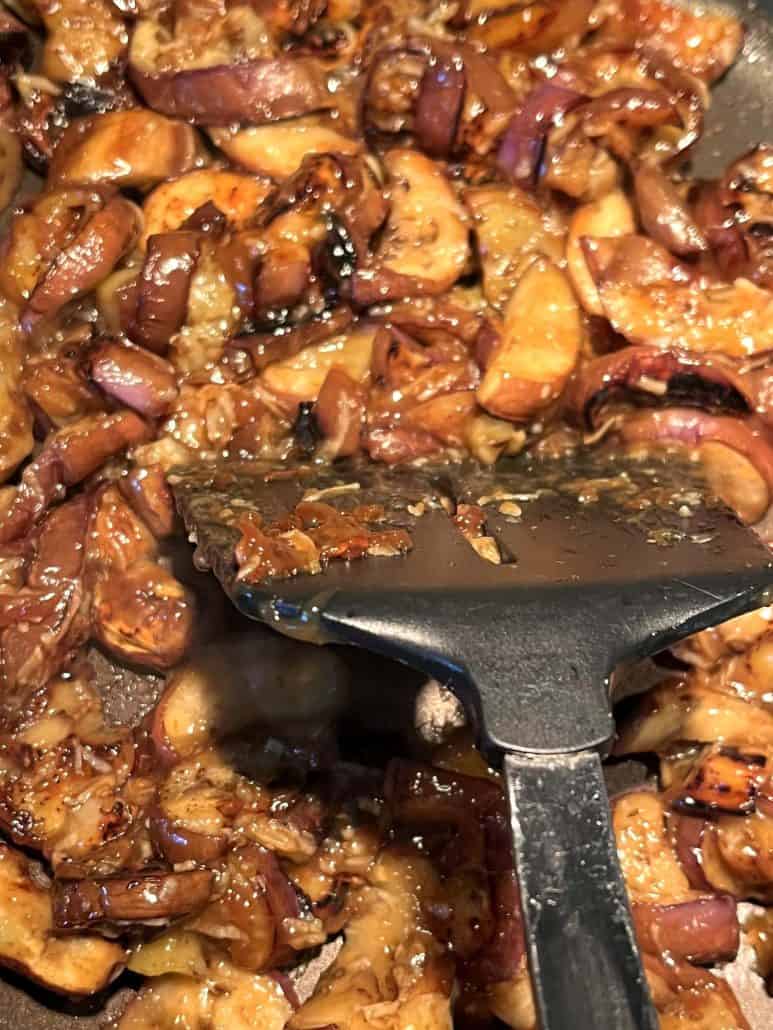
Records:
x=134, y=377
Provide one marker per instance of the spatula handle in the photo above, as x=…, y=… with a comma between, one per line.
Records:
x=580, y=941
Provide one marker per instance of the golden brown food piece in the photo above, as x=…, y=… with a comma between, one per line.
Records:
x=224, y=70
x=11, y=168
x=86, y=38
x=538, y=346
x=85, y=261
x=237, y=196
x=79, y=965
x=388, y=955
x=144, y=615
x=723, y=779
x=136, y=148
x=258, y=902
x=134, y=377
x=682, y=711
x=650, y=866
x=301, y=377
x=704, y=42
x=511, y=229
x=63, y=778
x=610, y=215
x=226, y=998
x=279, y=150
x=424, y=246
x=36, y=236
x=667, y=309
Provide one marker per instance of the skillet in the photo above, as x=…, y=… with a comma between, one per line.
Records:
x=741, y=115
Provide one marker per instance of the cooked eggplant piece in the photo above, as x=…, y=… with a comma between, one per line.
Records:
x=723, y=779
x=237, y=197
x=681, y=711
x=136, y=148
x=538, y=347
x=511, y=230
x=87, y=260
x=746, y=483
x=86, y=38
x=665, y=215
x=674, y=310
x=610, y=215
x=444, y=233
x=134, y=377
x=227, y=998
x=141, y=898
x=424, y=246
x=78, y=965
x=279, y=150
x=163, y=288
x=650, y=866
x=232, y=684
x=301, y=377
x=235, y=74
x=257, y=913
x=16, y=439
x=701, y=931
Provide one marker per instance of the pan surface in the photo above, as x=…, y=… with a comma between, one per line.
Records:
x=741, y=115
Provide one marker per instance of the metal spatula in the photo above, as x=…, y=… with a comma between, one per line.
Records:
x=602, y=564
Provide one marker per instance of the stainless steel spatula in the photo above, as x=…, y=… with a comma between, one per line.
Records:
x=602, y=564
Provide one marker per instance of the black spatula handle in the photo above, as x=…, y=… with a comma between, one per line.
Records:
x=579, y=934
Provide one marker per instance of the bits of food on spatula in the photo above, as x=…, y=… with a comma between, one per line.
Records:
x=295, y=233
